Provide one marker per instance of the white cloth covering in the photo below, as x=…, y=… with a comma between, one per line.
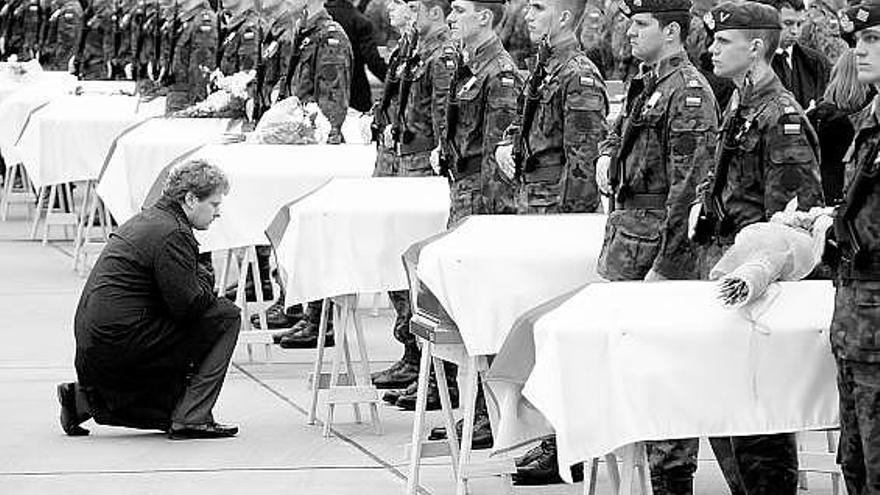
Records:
x=632, y=361
x=492, y=269
x=15, y=108
x=67, y=140
x=263, y=178
x=9, y=87
x=142, y=153
x=348, y=237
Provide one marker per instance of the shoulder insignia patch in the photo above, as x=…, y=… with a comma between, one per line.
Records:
x=331, y=28
x=248, y=35
x=791, y=129
x=450, y=64
x=587, y=81
x=449, y=50
x=789, y=109
x=693, y=83
x=653, y=99
x=332, y=41
x=693, y=101
x=507, y=82
x=205, y=28
x=229, y=38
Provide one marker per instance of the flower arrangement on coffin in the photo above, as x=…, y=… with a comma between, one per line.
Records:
x=20, y=72
x=291, y=122
x=788, y=247
x=227, y=99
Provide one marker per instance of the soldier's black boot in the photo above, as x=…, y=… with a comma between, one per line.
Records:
x=482, y=438
x=304, y=335
x=407, y=402
x=401, y=374
x=540, y=466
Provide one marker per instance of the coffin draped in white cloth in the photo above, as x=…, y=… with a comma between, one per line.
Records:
x=624, y=362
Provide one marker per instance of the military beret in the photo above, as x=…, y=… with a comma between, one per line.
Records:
x=780, y=4
x=742, y=15
x=632, y=7
x=861, y=16
x=500, y=2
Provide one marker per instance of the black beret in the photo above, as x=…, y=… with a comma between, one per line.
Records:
x=632, y=7
x=742, y=15
x=861, y=16
x=780, y=4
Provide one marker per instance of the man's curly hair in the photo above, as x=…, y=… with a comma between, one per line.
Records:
x=196, y=176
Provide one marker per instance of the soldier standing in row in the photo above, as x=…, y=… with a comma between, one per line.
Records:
x=654, y=157
x=12, y=36
x=62, y=32
x=191, y=55
x=767, y=155
x=318, y=70
x=551, y=151
x=32, y=24
x=418, y=119
x=856, y=323
x=92, y=61
x=240, y=38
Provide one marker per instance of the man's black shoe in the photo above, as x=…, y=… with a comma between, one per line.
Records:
x=408, y=402
x=249, y=294
x=391, y=396
x=211, y=430
x=482, y=433
x=400, y=375
x=277, y=318
x=544, y=468
x=531, y=455
x=306, y=337
x=69, y=418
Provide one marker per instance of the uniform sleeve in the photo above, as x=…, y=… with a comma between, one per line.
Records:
x=584, y=113
x=69, y=29
x=187, y=293
x=692, y=130
x=791, y=158
x=501, y=110
x=440, y=75
x=333, y=77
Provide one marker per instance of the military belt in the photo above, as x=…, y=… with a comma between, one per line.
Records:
x=642, y=202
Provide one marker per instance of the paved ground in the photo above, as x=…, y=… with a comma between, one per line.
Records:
x=276, y=451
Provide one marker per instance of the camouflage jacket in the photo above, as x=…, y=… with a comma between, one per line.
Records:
x=776, y=157
x=485, y=103
x=425, y=112
x=96, y=44
x=568, y=125
x=195, y=51
x=32, y=25
x=322, y=69
x=144, y=35
x=277, y=49
x=671, y=147
x=65, y=26
x=863, y=158
x=13, y=20
x=238, y=49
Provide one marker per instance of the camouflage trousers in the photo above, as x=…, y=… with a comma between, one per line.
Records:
x=854, y=331
x=465, y=199
x=400, y=302
x=547, y=192
x=386, y=162
x=390, y=164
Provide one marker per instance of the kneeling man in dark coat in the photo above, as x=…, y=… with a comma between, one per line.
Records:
x=153, y=341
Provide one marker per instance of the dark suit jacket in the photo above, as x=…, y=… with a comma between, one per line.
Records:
x=363, y=42
x=810, y=73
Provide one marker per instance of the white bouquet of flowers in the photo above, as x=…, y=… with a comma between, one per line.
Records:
x=20, y=72
x=788, y=247
x=228, y=97
x=291, y=122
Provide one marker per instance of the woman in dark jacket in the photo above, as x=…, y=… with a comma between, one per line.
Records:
x=843, y=97
x=153, y=341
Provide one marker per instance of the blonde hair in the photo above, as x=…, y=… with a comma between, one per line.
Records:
x=844, y=90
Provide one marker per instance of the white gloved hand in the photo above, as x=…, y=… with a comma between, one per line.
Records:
x=71, y=65
x=129, y=71
x=692, y=220
x=435, y=160
x=504, y=157
x=603, y=166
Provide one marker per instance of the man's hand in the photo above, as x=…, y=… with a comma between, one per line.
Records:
x=71, y=65
x=435, y=160
x=129, y=71
x=2, y=44
x=335, y=137
x=693, y=217
x=109, y=70
x=653, y=276
x=504, y=157
x=603, y=166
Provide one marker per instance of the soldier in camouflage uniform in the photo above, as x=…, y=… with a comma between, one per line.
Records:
x=855, y=327
x=318, y=70
x=12, y=36
x=238, y=49
x=93, y=51
x=32, y=26
x=194, y=55
x=767, y=156
x=416, y=137
x=278, y=47
x=557, y=155
x=146, y=22
x=656, y=154
x=62, y=33
x=485, y=97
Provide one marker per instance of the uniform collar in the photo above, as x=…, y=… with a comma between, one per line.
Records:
x=316, y=18
x=563, y=52
x=668, y=65
x=197, y=9
x=437, y=39
x=764, y=87
x=484, y=55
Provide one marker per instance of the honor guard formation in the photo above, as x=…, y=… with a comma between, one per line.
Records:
x=682, y=123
